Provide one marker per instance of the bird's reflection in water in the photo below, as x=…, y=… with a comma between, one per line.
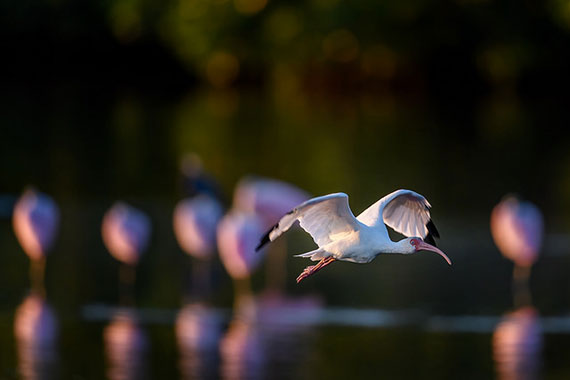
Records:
x=517, y=345
x=198, y=331
x=242, y=351
x=36, y=332
x=266, y=339
x=126, y=347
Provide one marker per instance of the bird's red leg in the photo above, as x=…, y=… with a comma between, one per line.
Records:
x=315, y=268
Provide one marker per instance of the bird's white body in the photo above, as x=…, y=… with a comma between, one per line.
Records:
x=359, y=246
x=342, y=236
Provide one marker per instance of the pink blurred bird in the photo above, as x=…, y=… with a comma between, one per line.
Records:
x=517, y=345
x=36, y=330
x=36, y=223
x=268, y=198
x=126, y=232
x=238, y=234
x=237, y=237
x=195, y=223
x=517, y=229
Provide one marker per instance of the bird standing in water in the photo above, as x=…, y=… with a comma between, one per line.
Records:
x=342, y=236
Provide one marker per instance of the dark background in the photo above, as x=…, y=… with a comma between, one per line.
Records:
x=463, y=101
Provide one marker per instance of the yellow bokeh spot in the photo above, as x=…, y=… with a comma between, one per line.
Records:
x=325, y=4
x=125, y=21
x=249, y=7
x=222, y=68
x=283, y=25
x=192, y=9
x=341, y=45
x=379, y=61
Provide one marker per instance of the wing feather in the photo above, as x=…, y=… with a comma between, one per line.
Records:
x=323, y=218
x=405, y=211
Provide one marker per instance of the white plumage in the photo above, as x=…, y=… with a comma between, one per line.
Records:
x=342, y=236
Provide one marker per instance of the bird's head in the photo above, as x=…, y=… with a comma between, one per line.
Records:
x=416, y=244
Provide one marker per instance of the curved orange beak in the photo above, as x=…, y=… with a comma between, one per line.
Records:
x=423, y=246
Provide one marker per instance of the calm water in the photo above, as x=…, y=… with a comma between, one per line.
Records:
x=398, y=317
x=121, y=349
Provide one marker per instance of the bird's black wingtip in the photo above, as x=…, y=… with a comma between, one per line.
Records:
x=265, y=239
x=432, y=233
x=432, y=229
x=430, y=240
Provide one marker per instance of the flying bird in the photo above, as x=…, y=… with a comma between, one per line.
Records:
x=342, y=236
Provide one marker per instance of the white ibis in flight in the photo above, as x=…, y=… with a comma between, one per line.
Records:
x=343, y=237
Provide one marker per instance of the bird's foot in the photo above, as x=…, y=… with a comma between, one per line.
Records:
x=312, y=269
x=306, y=273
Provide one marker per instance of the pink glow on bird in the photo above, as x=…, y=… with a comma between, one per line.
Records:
x=238, y=235
x=36, y=222
x=269, y=198
x=517, y=345
x=195, y=223
x=126, y=345
x=517, y=228
x=126, y=232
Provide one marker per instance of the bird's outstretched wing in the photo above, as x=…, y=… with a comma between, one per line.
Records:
x=406, y=212
x=322, y=217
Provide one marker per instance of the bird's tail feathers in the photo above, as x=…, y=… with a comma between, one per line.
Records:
x=315, y=255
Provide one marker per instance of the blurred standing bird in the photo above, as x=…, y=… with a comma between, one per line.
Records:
x=196, y=219
x=269, y=199
x=195, y=222
x=36, y=223
x=237, y=236
x=517, y=229
x=126, y=232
